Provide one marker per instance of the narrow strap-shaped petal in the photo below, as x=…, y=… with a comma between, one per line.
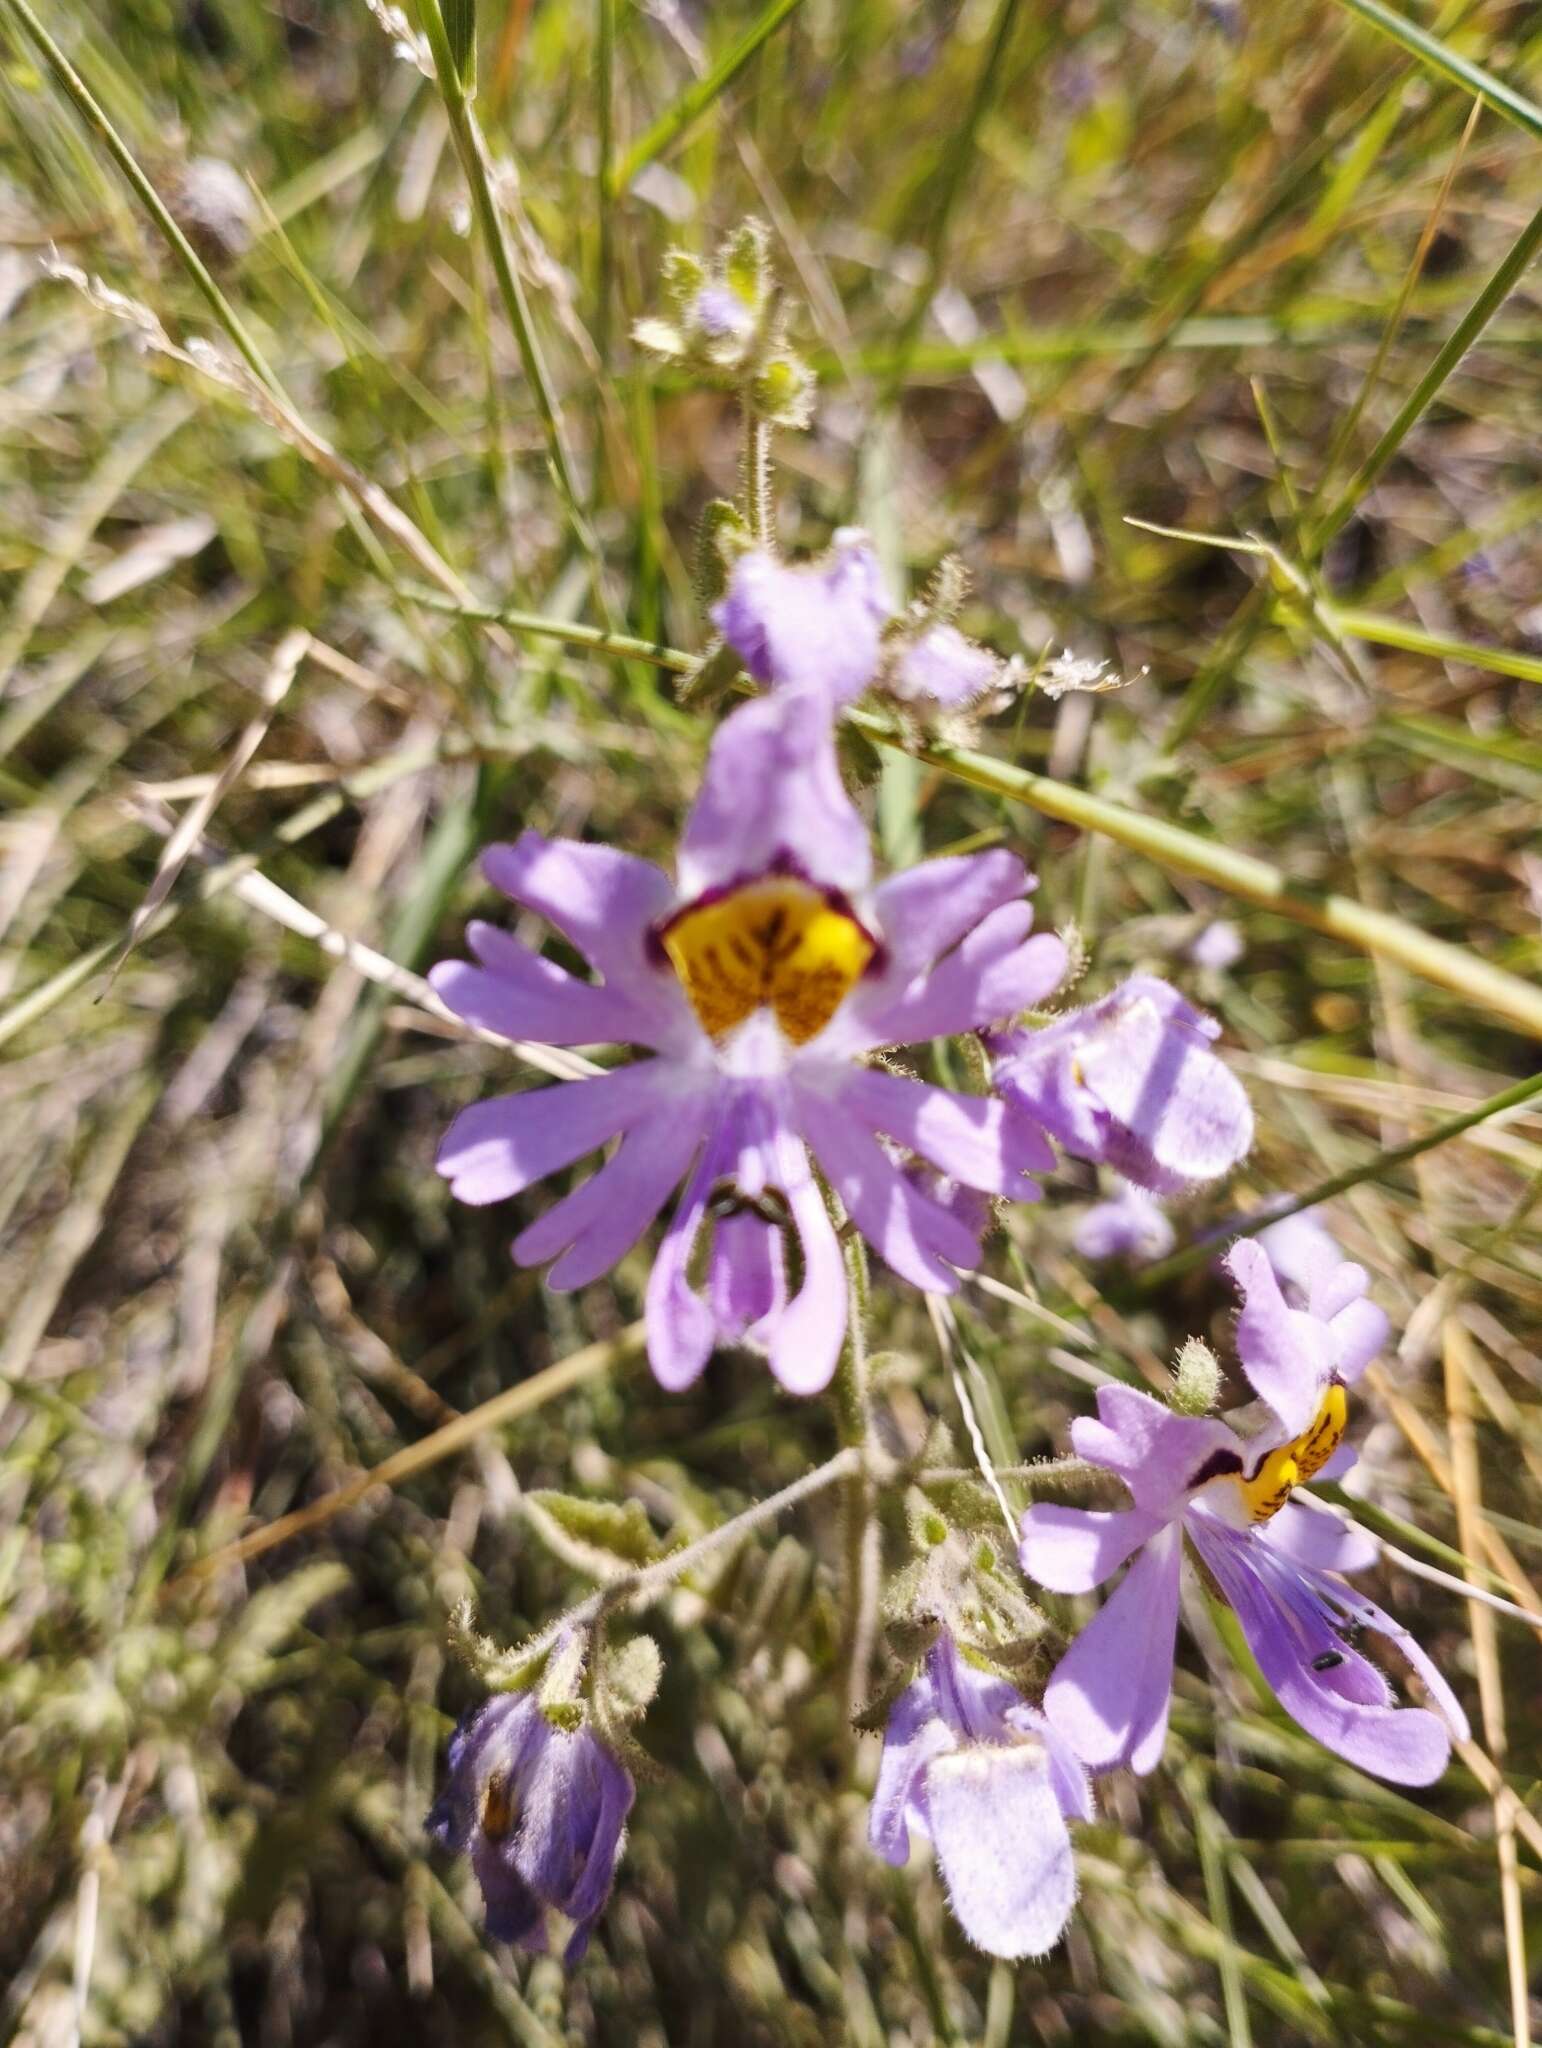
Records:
x=605, y=901
x=1109, y=1694
x=1286, y=1354
x=747, y=1275
x=914, y=1734
x=496, y=1148
x=681, y=1327
x=972, y=1138
x=1002, y=1843
x=804, y=1340
x=924, y=912
x=1071, y=1550
x=912, y=1232
x=519, y=994
x=598, y=1223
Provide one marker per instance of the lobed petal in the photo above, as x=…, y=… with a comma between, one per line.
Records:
x=1109, y=1694
x=1071, y=1550
x=771, y=796
x=812, y=626
x=1161, y=1456
x=1002, y=1843
x=1287, y=1355
x=971, y=1138
x=501, y=1146
x=597, y=1224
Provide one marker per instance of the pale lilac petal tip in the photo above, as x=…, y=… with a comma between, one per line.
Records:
x=1288, y=1355
x=1002, y=1842
x=1109, y=1695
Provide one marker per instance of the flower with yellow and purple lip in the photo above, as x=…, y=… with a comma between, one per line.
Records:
x=1277, y=1561
x=759, y=979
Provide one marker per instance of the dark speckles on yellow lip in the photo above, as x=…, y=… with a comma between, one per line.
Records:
x=1293, y=1464
x=777, y=944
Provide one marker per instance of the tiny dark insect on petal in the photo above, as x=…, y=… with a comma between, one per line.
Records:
x=1330, y=1660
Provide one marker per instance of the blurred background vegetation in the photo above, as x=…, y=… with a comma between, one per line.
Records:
x=1061, y=264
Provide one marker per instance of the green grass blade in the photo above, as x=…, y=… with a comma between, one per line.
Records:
x=1430, y=50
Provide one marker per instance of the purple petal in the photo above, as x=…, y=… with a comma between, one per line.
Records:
x=586, y=1900
x=605, y=902
x=1110, y=1692
x=812, y=626
x=496, y=1148
x=1301, y=1250
x=1445, y=1701
x=772, y=795
x=1316, y=1537
x=992, y=974
x=1287, y=1356
x=942, y=665
x=804, y=1341
x=747, y=1273
x=595, y=1225
x=520, y=995
x=1358, y=1333
x=1131, y=1082
x=1158, y=1454
x=925, y=911
x=1131, y=1225
x=914, y=1234
x=1343, y=1703
x=1071, y=1550
x=681, y=1327
x=914, y=1734
x=1002, y=1843
x=970, y=1137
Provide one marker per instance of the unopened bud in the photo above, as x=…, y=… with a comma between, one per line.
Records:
x=1196, y=1379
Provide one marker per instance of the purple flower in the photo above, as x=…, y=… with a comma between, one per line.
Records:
x=1131, y=1082
x=816, y=625
x=970, y=1765
x=1276, y=1561
x=542, y=1811
x=941, y=665
x=1128, y=1226
x=759, y=980
x=1219, y=946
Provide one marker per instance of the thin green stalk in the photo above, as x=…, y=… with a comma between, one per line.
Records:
x=471, y=148
x=1243, y=875
x=1430, y=50
x=1460, y=340
x=1369, y=1169
x=1385, y=632
x=696, y=99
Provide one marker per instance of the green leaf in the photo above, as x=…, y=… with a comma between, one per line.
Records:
x=602, y=1538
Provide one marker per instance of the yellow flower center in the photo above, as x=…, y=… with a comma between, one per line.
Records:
x=1293, y=1464
x=776, y=944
